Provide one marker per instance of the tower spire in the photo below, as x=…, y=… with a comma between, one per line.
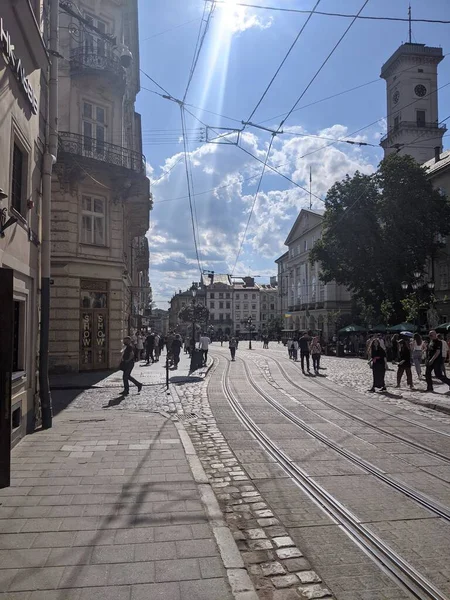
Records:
x=409, y=23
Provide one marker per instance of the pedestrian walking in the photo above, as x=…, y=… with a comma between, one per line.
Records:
x=304, y=342
x=149, y=348
x=204, y=343
x=232, y=344
x=378, y=364
x=290, y=347
x=434, y=361
x=126, y=365
x=315, y=350
x=418, y=351
x=295, y=350
x=176, y=349
x=139, y=345
x=444, y=351
x=156, y=348
x=404, y=364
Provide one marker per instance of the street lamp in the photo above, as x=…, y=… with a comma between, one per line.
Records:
x=249, y=327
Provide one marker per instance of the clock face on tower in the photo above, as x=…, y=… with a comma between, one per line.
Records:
x=396, y=97
x=420, y=90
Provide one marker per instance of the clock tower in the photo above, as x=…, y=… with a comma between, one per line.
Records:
x=412, y=102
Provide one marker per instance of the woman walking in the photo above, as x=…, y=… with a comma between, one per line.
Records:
x=232, y=345
x=404, y=364
x=418, y=349
x=378, y=363
x=315, y=350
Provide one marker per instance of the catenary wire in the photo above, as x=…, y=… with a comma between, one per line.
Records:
x=330, y=14
x=286, y=56
x=170, y=29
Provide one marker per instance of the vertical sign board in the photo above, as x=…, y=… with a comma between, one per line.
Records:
x=6, y=364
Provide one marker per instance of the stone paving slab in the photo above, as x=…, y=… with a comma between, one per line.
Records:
x=104, y=505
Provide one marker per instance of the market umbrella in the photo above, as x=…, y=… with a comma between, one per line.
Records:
x=379, y=328
x=444, y=328
x=352, y=329
x=402, y=327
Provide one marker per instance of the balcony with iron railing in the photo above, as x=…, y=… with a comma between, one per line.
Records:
x=84, y=60
x=419, y=124
x=102, y=152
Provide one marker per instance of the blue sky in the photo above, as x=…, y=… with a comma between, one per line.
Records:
x=241, y=52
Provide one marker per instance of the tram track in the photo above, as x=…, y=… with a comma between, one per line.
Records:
x=396, y=436
x=403, y=573
x=426, y=502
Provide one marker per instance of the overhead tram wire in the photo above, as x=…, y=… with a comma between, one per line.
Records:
x=186, y=159
x=253, y=205
x=280, y=66
x=199, y=45
x=330, y=14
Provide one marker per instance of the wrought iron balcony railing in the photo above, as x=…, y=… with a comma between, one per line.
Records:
x=414, y=125
x=85, y=60
x=86, y=147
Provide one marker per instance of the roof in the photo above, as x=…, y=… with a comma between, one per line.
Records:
x=266, y=287
x=291, y=237
x=443, y=163
x=282, y=257
x=224, y=279
x=414, y=50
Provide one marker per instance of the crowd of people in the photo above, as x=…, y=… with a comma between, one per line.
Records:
x=310, y=348
x=407, y=351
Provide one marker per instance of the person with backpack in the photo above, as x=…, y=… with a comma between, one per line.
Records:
x=126, y=365
x=315, y=350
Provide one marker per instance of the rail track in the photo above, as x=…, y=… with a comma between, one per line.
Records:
x=403, y=573
x=396, y=436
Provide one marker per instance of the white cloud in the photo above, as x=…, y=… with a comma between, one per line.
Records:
x=237, y=19
x=223, y=173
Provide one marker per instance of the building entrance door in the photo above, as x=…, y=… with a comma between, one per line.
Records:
x=94, y=334
x=6, y=367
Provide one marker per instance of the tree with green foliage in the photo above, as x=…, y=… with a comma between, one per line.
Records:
x=379, y=229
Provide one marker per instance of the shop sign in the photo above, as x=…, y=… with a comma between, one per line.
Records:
x=16, y=65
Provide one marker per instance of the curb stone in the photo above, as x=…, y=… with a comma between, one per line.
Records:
x=238, y=578
x=268, y=556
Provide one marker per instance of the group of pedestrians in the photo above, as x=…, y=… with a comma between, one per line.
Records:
x=310, y=347
x=409, y=352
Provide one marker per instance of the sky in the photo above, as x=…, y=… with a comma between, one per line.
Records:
x=242, y=50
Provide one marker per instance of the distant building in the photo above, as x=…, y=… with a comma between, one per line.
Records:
x=159, y=321
x=219, y=302
x=269, y=305
x=179, y=301
x=310, y=303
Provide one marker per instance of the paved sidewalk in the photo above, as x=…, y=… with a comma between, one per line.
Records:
x=105, y=506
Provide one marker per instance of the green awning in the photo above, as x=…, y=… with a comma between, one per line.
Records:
x=402, y=327
x=444, y=328
x=352, y=329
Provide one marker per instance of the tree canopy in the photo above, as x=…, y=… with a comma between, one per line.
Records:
x=379, y=229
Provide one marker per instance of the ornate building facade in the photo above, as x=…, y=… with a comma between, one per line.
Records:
x=310, y=303
x=24, y=68
x=100, y=193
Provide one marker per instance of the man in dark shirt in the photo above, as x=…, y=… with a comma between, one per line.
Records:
x=127, y=364
x=149, y=348
x=434, y=362
x=303, y=343
x=176, y=349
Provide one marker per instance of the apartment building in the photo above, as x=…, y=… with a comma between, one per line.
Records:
x=100, y=192
x=23, y=102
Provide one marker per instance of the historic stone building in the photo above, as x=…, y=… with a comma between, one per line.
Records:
x=246, y=304
x=100, y=193
x=23, y=101
x=269, y=305
x=412, y=101
x=310, y=303
x=179, y=301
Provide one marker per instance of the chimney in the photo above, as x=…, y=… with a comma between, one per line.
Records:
x=249, y=281
x=437, y=154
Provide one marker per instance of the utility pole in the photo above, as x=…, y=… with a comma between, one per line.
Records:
x=51, y=150
x=410, y=28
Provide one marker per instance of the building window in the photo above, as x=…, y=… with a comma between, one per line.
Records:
x=238, y=315
x=18, y=179
x=211, y=304
x=220, y=294
x=263, y=317
x=245, y=296
x=237, y=296
x=253, y=296
x=272, y=307
x=253, y=306
x=238, y=307
x=93, y=221
x=19, y=337
x=227, y=305
x=396, y=122
x=94, y=44
x=94, y=128
x=443, y=277
x=305, y=245
x=420, y=118
x=211, y=295
x=220, y=304
x=246, y=306
x=227, y=295
x=221, y=317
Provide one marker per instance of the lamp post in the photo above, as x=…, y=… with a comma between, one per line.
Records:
x=249, y=327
